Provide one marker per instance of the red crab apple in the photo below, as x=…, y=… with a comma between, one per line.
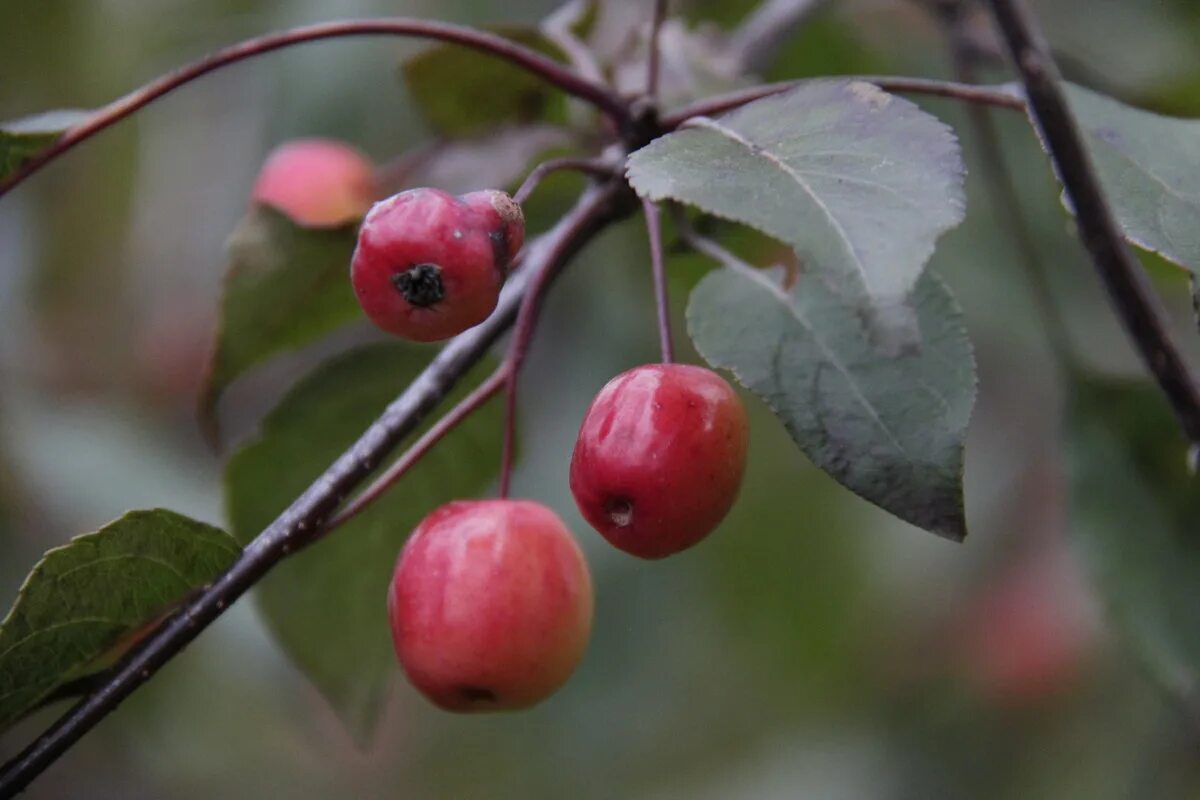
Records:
x=317, y=182
x=1030, y=633
x=429, y=265
x=660, y=457
x=490, y=605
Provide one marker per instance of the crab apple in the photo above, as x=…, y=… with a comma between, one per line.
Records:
x=317, y=182
x=660, y=457
x=1029, y=634
x=429, y=265
x=490, y=605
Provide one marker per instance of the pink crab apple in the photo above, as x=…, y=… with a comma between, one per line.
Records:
x=429, y=265
x=317, y=182
x=490, y=605
x=659, y=458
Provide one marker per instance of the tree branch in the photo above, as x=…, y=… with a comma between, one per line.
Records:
x=303, y=521
x=757, y=41
x=1128, y=289
x=553, y=72
x=998, y=182
x=998, y=96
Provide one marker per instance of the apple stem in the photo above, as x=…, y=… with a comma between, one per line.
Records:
x=658, y=267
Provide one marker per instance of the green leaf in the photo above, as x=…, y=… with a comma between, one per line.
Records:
x=464, y=92
x=84, y=602
x=1150, y=168
x=859, y=182
x=888, y=424
x=22, y=139
x=286, y=286
x=1133, y=510
x=326, y=605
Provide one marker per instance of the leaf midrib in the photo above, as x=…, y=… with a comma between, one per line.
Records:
x=770, y=158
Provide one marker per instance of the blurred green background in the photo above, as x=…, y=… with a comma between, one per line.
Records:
x=813, y=647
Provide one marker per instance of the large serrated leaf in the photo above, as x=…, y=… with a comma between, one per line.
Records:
x=859, y=182
x=1150, y=168
x=285, y=287
x=464, y=92
x=1133, y=512
x=85, y=601
x=326, y=605
x=22, y=139
x=887, y=424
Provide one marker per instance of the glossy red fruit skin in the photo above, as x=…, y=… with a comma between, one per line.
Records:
x=490, y=605
x=317, y=182
x=451, y=254
x=660, y=457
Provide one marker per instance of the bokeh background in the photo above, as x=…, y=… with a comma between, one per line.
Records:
x=813, y=647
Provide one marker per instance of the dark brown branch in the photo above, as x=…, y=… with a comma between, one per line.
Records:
x=304, y=519
x=998, y=182
x=1128, y=289
x=999, y=96
x=553, y=72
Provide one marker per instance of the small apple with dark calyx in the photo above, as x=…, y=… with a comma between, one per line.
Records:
x=318, y=183
x=429, y=265
x=660, y=457
x=490, y=605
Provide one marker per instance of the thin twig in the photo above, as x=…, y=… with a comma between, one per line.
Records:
x=998, y=182
x=653, y=62
x=584, y=88
x=596, y=167
x=1128, y=288
x=297, y=526
x=998, y=96
x=558, y=29
x=754, y=45
x=659, y=269
x=451, y=420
